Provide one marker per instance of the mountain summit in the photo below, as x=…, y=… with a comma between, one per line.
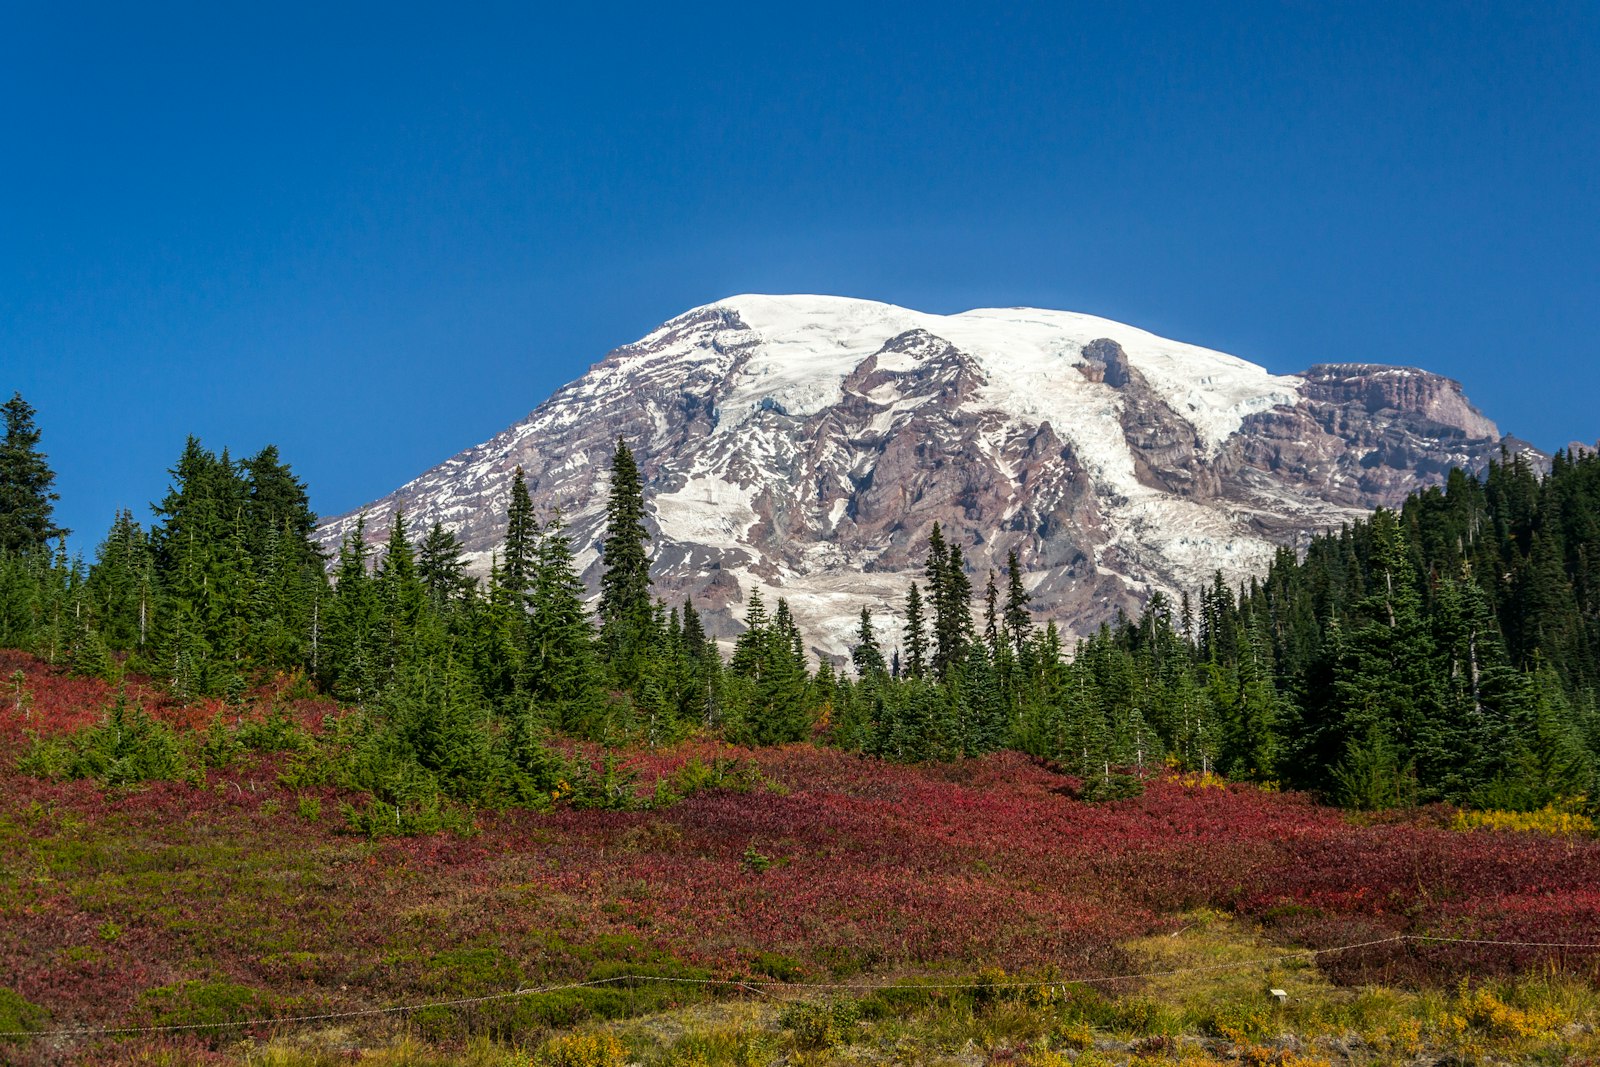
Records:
x=806, y=445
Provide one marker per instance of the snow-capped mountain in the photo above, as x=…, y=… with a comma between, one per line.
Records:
x=806, y=445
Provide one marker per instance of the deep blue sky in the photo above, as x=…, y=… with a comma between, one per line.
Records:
x=377, y=235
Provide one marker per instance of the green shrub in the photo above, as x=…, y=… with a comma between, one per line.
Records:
x=730, y=1047
x=49, y=758
x=218, y=745
x=896, y=1001
x=470, y=972
x=18, y=1015
x=274, y=732
x=204, y=1004
x=428, y=813
x=821, y=1024
x=774, y=965
x=127, y=747
x=611, y=788
x=1116, y=786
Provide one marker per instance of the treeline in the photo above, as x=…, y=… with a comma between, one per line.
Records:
x=1449, y=651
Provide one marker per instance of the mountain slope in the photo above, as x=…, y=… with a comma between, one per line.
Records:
x=807, y=444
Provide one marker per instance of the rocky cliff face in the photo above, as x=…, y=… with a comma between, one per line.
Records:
x=806, y=445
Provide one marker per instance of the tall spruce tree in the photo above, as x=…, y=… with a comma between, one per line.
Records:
x=27, y=500
x=559, y=667
x=625, y=609
x=522, y=540
x=916, y=664
x=441, y=566
x=866, y=655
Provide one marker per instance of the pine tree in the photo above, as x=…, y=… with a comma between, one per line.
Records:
x=916, y=663
x=122, y=585
x=206, y=574
x=522, y=540
x=750, y=648
x=27, y=501
x=441, y=567
x=1018, y=621
x=560, y=669
x=278, y=509
x=987, y=728
x=1252, y=742
x=352, y=664
x=626, y=616
x=950, y=591
x=402, y=598
x=866, y=655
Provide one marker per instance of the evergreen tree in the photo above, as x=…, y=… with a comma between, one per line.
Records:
x=278, y=510
x=1252, y=741
x=401, y=597
x=867, y=656
x=27, y=501
x=522, y=540
x=751, y=647
x=987, y=727
x=1018, y=621
x=441, y=567
x=352, y=666
x=992, y=631
x=626, y=616
x=560, y=668
x=916, y=663
x=951, y=594
x=121, y=585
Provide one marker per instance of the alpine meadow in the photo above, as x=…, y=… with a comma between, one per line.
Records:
x=263, y=806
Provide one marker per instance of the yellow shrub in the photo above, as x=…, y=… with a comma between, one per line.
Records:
x=1550, y=819
x=1078, y=1036
x=1046, y=1058
x=1199, y=780
x=1483, y=1010
x=583, y=1050
x=1406, y=1038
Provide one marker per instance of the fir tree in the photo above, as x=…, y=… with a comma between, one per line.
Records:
x=353, y=631
x=441, y=567
x=626, y=617
x=560, y=667
x=1018, y=621
x=401, y=595
x=27, y=501
x=122, y=585
x=522, y=545
x=751, y=647
x=916, y=662
x=866, y=655
x=278, y=509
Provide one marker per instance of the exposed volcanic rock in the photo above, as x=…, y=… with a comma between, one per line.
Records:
x=807, y=445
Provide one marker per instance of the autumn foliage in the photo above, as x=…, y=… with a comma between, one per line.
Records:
x=116, y=904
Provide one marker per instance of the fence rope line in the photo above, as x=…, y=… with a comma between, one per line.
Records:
x=763, y=986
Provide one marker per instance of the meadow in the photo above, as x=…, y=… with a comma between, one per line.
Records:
x=800, y=905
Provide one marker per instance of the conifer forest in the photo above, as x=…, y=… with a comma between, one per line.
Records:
x=1448, y=651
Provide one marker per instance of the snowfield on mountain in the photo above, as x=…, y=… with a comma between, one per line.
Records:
x=806, y=445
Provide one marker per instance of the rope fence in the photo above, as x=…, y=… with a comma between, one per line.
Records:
x=766, y=987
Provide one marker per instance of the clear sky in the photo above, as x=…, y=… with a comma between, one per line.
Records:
x=375, y=235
